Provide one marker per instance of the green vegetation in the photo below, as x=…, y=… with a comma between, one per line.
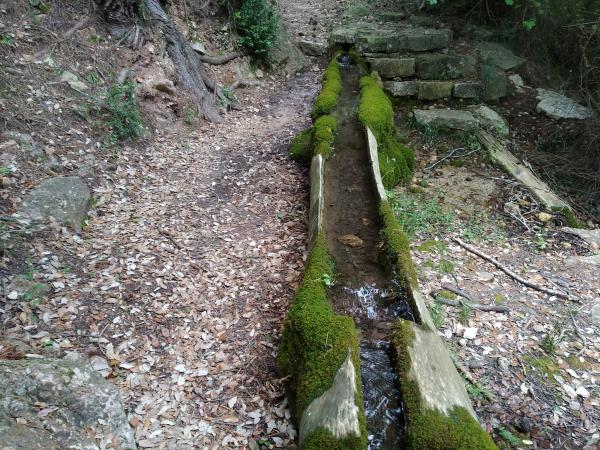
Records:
x=430, y=429
x=508, y=437
x=301, y=148
x=375, y=110
x=324, y=135
x=551, y=340
x=257, y=24
x=124, y=115
x=569, y=217
x=437, y=313
x=544, y=365
x=315, y=342
x=420, y=215
x=332, y=87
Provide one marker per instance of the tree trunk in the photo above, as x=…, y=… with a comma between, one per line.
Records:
x=188, y=67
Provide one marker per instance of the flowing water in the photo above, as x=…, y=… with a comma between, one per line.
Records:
x=363, y=289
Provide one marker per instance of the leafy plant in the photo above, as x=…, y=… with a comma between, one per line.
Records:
x=446, y=266
x=6, y=39
x=540, y=242
x=478, y=390
x=257, y=23
x=552, y=339
x=464, y=313
x=124, y=115
x=31, y=270
x=5, y=171
x=420, y=215
x=437, y=313
x=509, y=437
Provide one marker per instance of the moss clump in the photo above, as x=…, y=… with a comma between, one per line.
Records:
x=429, y=429
x=322, y=439
x=375, y=111
x=397, y=246
x=569, y=217
x=301, y=148
x=324, y=135
x=332, y=87
x=315, y=342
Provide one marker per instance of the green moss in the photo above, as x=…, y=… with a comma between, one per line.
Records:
x=572, y=221
x=315, y=342
x=397, y=246
x=375, y=110
x=322, y=439
x=324, y=135
x=301, y=148
x=332, y=87
x=429, y=429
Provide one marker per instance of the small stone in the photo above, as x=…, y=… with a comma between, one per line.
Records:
x=544, y=217
x=566, y=245
x=517, y=82
x=596, y=314
x=569, y=390
x=100, y=365
x=259, y=73
x=470, y=333
x=165, y=86
x=485, y=276
x=73, y=81
x=351, y=240
x=13, y=295
x=582, y=392
x=503, y=363
x=558, y=106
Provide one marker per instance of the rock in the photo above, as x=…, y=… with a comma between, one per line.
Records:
x=100, y=365
x=312, y=48
x=23, y=286
x=73, y=81
x=166, y=86
x=285, y=57
x=470, y=333
x=485, y=276
x=259, y=73
x=582, y=392
x=393, y=68
x=569, y=391
x=499, y=56
x=433, y=90
x=351, y=240
x=558, y=106
x=25, y=143
x=517, y=82
x=490, y=119
x=198, y=46
x=544, y=217
x=439, y=66
x=494, y=82
x=445, y=119
x=590, y=236
x=59, y=404
x=65, y=199
x=400, y=88
x=467, y=89
x=595, y=314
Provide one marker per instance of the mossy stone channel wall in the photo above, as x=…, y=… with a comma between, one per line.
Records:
x=319, y=350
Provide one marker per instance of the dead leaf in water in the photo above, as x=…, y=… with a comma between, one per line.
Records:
x=351, y=240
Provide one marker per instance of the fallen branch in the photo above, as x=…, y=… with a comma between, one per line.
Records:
x=472, y=303
x=513, y=275
x=217, y=60
x=244, y=83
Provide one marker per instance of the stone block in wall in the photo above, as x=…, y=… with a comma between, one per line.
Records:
x=401, y=88
x=393, y=68
x=433, y=90
x=438, y=66
x=494, y=82
x=467, y=89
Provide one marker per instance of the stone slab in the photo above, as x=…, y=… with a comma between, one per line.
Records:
x=315, y=225
x=451, y=119
x=401, y=88
x=66, y=199
x=590, y=236
x=490, y=119
x=434, y=90
x=439, y=66
x=312, y=48
x=558, y=106
x=336, y=409
x=467, y=89
x=499, y=56
x=494, y=82
x=393, y=68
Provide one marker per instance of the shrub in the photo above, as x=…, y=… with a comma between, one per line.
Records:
x=257, y=24
x=124, y=115
x=332, y=87
x=375, y=111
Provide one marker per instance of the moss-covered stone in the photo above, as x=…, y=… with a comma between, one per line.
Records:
x=375, y=111
x=430, y=429
x=315, y=343
x=323, y=135
x=332, y=87
x=323, y=439
x=301, y=148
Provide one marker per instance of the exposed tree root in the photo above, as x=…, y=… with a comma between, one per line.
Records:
x=471, y=303
x=217, y=60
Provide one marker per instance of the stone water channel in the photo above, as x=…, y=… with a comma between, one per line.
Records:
x=363, y=288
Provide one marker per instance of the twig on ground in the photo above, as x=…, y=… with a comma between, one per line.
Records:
x=445, y=157
x=170, y=237
x=513, y=275
x=472, y=303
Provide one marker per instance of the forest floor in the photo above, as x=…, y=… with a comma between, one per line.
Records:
x=180, y=279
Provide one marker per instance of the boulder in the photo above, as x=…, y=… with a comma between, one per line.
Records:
x=401, y=88
x=558, y=106
x=446, y=119
x=494, y=82
x=490, y=119
x=71, y=79
x=433, y=90
x=467, y=89
x=517, y=82
x=392, y=68
x=499, y=56
x=438, y=66
x=312, y=48
x=285, y=57
x=55, y=404
x=66, y=199
x=26, y=144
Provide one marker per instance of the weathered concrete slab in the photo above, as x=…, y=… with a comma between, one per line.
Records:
x=315, y=224
x=374, y=160
x=504, y=158
x=451, y=119
x=467, y=89
x=401, y=88
x=499, y=56
x=558, y=106
x=393, y=68
x=336, y=409
x=439, y=66
x=434, y=90
x=66, y=199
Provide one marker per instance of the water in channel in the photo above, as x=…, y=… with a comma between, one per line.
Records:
x=363, y=288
